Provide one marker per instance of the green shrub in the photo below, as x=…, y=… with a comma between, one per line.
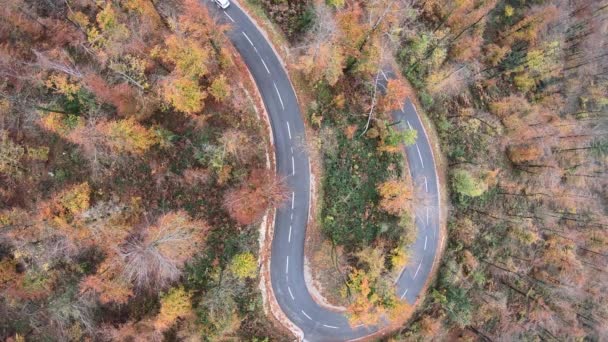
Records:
x=244, y=265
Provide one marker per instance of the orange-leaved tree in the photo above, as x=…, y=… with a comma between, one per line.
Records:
x=396, y=94
x=248, y=202
x=395, y=195
x=364, y=307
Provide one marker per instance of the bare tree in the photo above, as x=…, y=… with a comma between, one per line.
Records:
x=154, y=258
x=45, y=62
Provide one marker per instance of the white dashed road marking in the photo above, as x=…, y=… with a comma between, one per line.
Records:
x=287, y=265
x=425, y=238
x=229, y=17
x=420, y=155
x=293, y=199
x=293, y=166
x=408, y=125
x=384, y=75
x=291, y=294
x=265, y=66
x=427, y=216
x=426, y=185
x=289, y=131
x=418, y=269
x=249, y=40
x=330, y=326
x=289, y=237
x=404, y=293
x=305, y=314
x=279, y=95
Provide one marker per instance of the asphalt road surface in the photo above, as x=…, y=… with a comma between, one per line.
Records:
x=287, y=255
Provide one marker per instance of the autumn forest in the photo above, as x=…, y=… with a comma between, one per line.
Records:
x=125, y=188
x=136, y=168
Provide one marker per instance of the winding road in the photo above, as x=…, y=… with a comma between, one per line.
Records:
x=287, y=256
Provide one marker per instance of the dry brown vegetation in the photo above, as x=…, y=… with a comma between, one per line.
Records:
x=518, y=94
x=120, y=137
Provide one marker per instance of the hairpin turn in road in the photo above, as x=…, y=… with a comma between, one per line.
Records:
x=287, y=255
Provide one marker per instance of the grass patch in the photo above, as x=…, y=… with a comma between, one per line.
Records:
x=351, y=215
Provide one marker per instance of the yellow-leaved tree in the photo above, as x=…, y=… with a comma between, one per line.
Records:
x=127, y=136
x=173, y=305
x=244, y=265
x=184, y=94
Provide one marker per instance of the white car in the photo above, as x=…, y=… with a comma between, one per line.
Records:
x=222, y=3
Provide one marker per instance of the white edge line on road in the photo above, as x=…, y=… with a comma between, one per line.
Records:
x=293, y=166
x=418, y=269
x=287, y=265
x=278, y=94
x=404, y=293
x=289, y=237
x=305, y=314
x=291, y=294
x=249, y=40
x=289, y=132
x=330, y=326
x=265, y=66
x=425, y=238
x=229, y=17
x=309, y=191
x=420, y=155
x=293, y=199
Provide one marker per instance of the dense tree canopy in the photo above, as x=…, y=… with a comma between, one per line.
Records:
x=517, y=93
x=116, y=151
